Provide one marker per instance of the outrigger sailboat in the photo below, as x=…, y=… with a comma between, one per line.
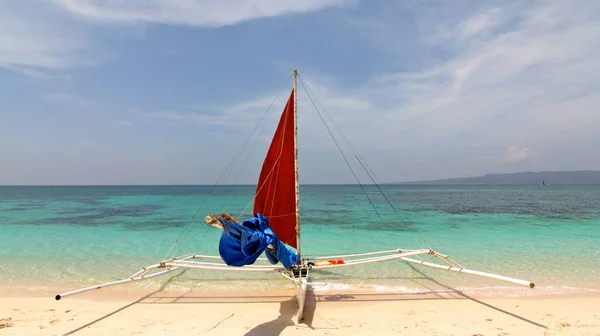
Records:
x=274, y=229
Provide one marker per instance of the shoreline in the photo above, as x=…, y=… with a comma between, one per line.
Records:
x=165, y=312
x=429, y=286
x=133, y=293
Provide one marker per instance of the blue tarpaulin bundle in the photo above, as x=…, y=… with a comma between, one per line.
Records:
x=241, y=244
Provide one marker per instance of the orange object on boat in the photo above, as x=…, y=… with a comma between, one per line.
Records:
x=329, y=262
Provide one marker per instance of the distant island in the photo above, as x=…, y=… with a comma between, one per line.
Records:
x=550, y=177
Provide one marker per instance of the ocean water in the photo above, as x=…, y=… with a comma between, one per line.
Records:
x=65, y=237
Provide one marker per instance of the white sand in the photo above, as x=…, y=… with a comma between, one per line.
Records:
x=128, y=312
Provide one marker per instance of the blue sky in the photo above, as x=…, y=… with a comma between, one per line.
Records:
x=165, y=92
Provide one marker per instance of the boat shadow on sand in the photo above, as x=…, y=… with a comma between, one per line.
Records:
x=288, y=306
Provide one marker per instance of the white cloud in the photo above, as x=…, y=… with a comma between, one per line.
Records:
x=526, y=76
x=514, y=75
x=190, y=12
x=34, y=38
x=93, y=112
x=479, y=23
x=244, y=113
x=543, y=55
x=38, y=38
x=513, y=154
x=62, y=99
x=458, y=29
x=496, y=74
x=71, y=104
x=29, y=71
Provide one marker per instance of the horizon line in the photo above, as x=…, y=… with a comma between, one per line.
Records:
x=174, y=185
x=416, y=183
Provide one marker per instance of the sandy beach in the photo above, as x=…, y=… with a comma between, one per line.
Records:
x=160, y=312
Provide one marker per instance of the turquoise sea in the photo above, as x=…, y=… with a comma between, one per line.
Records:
x=65, y=237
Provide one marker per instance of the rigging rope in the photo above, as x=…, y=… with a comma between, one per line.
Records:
x=338, y=147
x=255, y=135
x=363, y=164
x=190, y=226
x=269, y=111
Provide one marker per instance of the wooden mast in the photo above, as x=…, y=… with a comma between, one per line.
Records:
x=296, y=162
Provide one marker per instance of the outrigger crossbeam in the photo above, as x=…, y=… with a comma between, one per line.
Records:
x=299, y=275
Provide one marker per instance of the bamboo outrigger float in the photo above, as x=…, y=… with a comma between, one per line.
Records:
x=275, y=229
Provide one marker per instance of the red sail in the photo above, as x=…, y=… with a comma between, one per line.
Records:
x=276, y=190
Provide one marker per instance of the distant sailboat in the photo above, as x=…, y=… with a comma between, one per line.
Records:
x=543, y=183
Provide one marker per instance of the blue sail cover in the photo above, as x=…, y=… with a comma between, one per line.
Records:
x=241, y=244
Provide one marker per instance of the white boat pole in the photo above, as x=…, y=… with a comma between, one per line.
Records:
x=358, y=254
x=192, y=263
x=301, y=295
x=372, y=259
x=248, y=268
x=478, y=273
x=132, y=279
x=296, y=180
